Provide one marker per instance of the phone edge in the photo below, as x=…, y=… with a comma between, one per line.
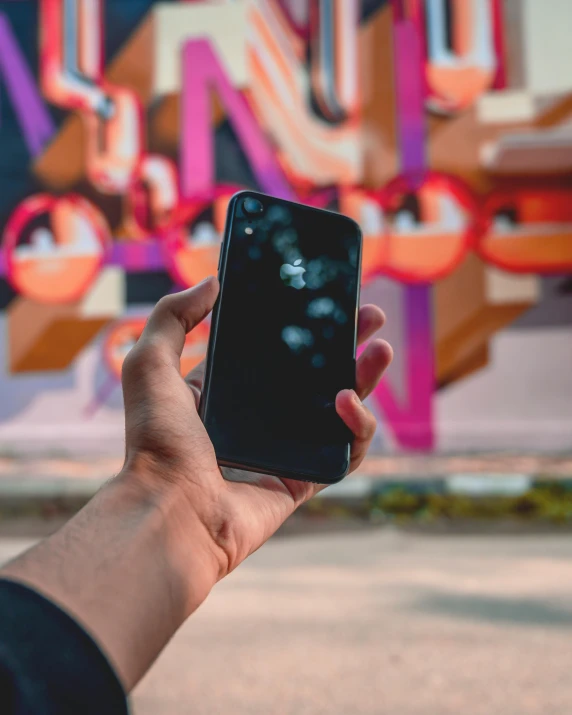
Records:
x=298, y=476
x=214, y=319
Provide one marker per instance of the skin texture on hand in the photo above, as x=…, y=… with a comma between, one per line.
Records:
x=145, y=552
x=163, y=428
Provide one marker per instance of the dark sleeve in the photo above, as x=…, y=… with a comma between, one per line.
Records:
x=48, y=663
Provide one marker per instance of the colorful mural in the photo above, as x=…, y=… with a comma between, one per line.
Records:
x=444, y=127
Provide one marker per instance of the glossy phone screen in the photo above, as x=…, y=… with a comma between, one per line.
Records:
x=283, y=339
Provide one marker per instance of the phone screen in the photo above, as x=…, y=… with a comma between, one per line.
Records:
x=283, y=339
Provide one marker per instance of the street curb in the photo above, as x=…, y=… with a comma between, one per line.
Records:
x=38, y=506
x=37, y=488
x=23, y=488
x=47, y=497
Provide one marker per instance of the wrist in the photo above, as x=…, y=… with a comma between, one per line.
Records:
x=176, y=532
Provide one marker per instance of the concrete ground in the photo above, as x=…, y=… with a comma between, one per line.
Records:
x=372, y=622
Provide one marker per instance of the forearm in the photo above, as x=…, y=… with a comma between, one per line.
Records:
x=130, y=567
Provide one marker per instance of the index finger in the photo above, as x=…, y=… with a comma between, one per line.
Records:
x=176, y=315
x=370, y=319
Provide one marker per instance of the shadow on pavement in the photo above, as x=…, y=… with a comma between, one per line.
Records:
x=522, y=612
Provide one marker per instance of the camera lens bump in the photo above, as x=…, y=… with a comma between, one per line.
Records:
x=252, y=206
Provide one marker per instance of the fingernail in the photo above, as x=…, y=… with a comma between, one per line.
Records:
x=356, y=399
x=204, y=280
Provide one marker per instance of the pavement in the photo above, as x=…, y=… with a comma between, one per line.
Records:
x=376, y=622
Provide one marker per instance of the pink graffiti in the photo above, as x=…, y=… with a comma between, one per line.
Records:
x=203, y=72
x=411, y=423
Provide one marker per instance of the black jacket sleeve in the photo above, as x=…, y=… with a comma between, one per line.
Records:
x=48, y=664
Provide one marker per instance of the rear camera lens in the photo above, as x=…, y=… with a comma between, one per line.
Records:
x=252, y=206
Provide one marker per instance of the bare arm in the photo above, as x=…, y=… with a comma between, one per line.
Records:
x=145, y=552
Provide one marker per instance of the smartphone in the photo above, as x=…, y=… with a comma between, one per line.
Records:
x=283, y=339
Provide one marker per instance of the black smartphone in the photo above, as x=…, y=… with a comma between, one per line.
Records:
x=283, y=339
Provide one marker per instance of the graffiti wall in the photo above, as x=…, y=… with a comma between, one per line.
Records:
x=444, y=127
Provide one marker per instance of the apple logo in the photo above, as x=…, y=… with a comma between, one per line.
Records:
x=293, y=274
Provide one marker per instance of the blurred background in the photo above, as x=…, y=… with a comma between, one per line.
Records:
x=438, y=579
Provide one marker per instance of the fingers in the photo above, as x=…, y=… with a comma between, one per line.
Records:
x=370, y=319
x=359, y=420
x=176, y=315
x=371, y=365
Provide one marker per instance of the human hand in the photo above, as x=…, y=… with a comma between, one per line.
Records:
x=144, y=553
x=170, y=456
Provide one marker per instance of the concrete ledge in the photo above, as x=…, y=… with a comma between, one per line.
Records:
x=59, y=486
x=406, y=466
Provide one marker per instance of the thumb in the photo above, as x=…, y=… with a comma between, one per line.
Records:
x=176, y=315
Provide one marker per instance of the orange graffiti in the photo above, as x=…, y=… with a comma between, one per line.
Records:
x=528, y=231
x=427, y=226
x=55, y=247
x=124, y=334
x=192, y=243
x=461, y=61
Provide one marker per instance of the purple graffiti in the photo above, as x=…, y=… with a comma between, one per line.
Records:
x=31, y=112
x=410, y=99
x=137, y=256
